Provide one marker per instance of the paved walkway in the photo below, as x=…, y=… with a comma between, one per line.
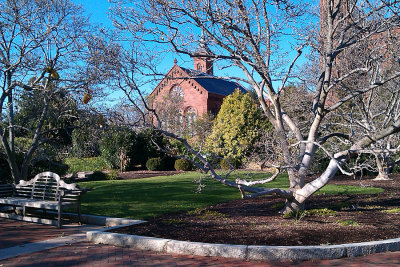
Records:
x=83, y=253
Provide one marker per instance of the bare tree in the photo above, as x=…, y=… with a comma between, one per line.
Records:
x=42, y=47
x=376, y=109
x=265, y=40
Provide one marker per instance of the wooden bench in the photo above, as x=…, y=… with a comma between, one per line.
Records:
x=46, y=192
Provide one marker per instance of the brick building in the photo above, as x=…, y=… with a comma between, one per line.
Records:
x=186, y=94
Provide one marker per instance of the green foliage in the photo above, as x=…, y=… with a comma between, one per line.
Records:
x=183, y=165
x=211, y=214
x=296, y=215
x=299, y=215
x=144, y=149
x=320, y=212
x=85, y=142
x=127, y=150
x=200, y=130
x=224, y=164
x=99, y=175
x=116, y=147
x=112, y=175
x=154, y=164
x=62, y=115
x=206, y=214
x=237, y=126
x=394, y=210
x=85, y=164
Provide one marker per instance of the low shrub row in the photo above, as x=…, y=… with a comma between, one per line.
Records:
x=164, y=164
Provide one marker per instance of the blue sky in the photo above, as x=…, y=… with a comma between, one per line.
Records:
x=98, y=12
x=97, y=9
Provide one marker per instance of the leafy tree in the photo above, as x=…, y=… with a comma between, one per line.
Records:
x=86, y=136
x=115, y=147
x=237, y=126
x=57, y=126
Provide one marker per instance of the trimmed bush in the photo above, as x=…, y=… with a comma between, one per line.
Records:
x=183, y=165
x=225, y=165
x=100, y=176
x=154, y=164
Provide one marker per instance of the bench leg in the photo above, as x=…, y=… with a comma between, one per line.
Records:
x=23, y=211
x=59, y=217
x=79, y=215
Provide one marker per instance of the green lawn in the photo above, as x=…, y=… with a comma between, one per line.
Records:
x=149, y=197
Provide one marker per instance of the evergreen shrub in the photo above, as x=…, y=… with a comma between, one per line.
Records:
x=183, y=165
x=154, y=164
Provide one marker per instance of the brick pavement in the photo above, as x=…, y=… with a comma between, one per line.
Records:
x=88, y=254
x=15, y=233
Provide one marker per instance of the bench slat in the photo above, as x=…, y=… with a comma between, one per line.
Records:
x=45, y=191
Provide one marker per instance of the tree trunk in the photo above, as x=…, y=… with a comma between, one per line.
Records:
x=301, y=195
x=10, y=114
x=383, y=168
x=12, y=162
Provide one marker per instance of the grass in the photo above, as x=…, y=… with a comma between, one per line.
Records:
x=394, y=210
x=85, y=164
x=325, y=212
x=348, y=223
x=150, y=197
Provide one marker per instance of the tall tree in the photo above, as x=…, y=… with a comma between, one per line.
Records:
x=265, y=40
x=42, y=48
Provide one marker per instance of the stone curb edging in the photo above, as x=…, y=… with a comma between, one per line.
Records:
x=244, y=252
x=108, y=221
x=103, y=220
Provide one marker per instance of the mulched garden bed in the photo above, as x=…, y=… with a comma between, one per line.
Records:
x=329, y=220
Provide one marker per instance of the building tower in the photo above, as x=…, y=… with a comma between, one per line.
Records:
x=202, y=58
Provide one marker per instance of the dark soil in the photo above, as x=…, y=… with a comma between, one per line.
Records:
x=339, y=219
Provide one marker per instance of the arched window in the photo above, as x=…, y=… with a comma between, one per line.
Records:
x=199, y=67
x=190, y=116
x=177, y=91
x=177, y=122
